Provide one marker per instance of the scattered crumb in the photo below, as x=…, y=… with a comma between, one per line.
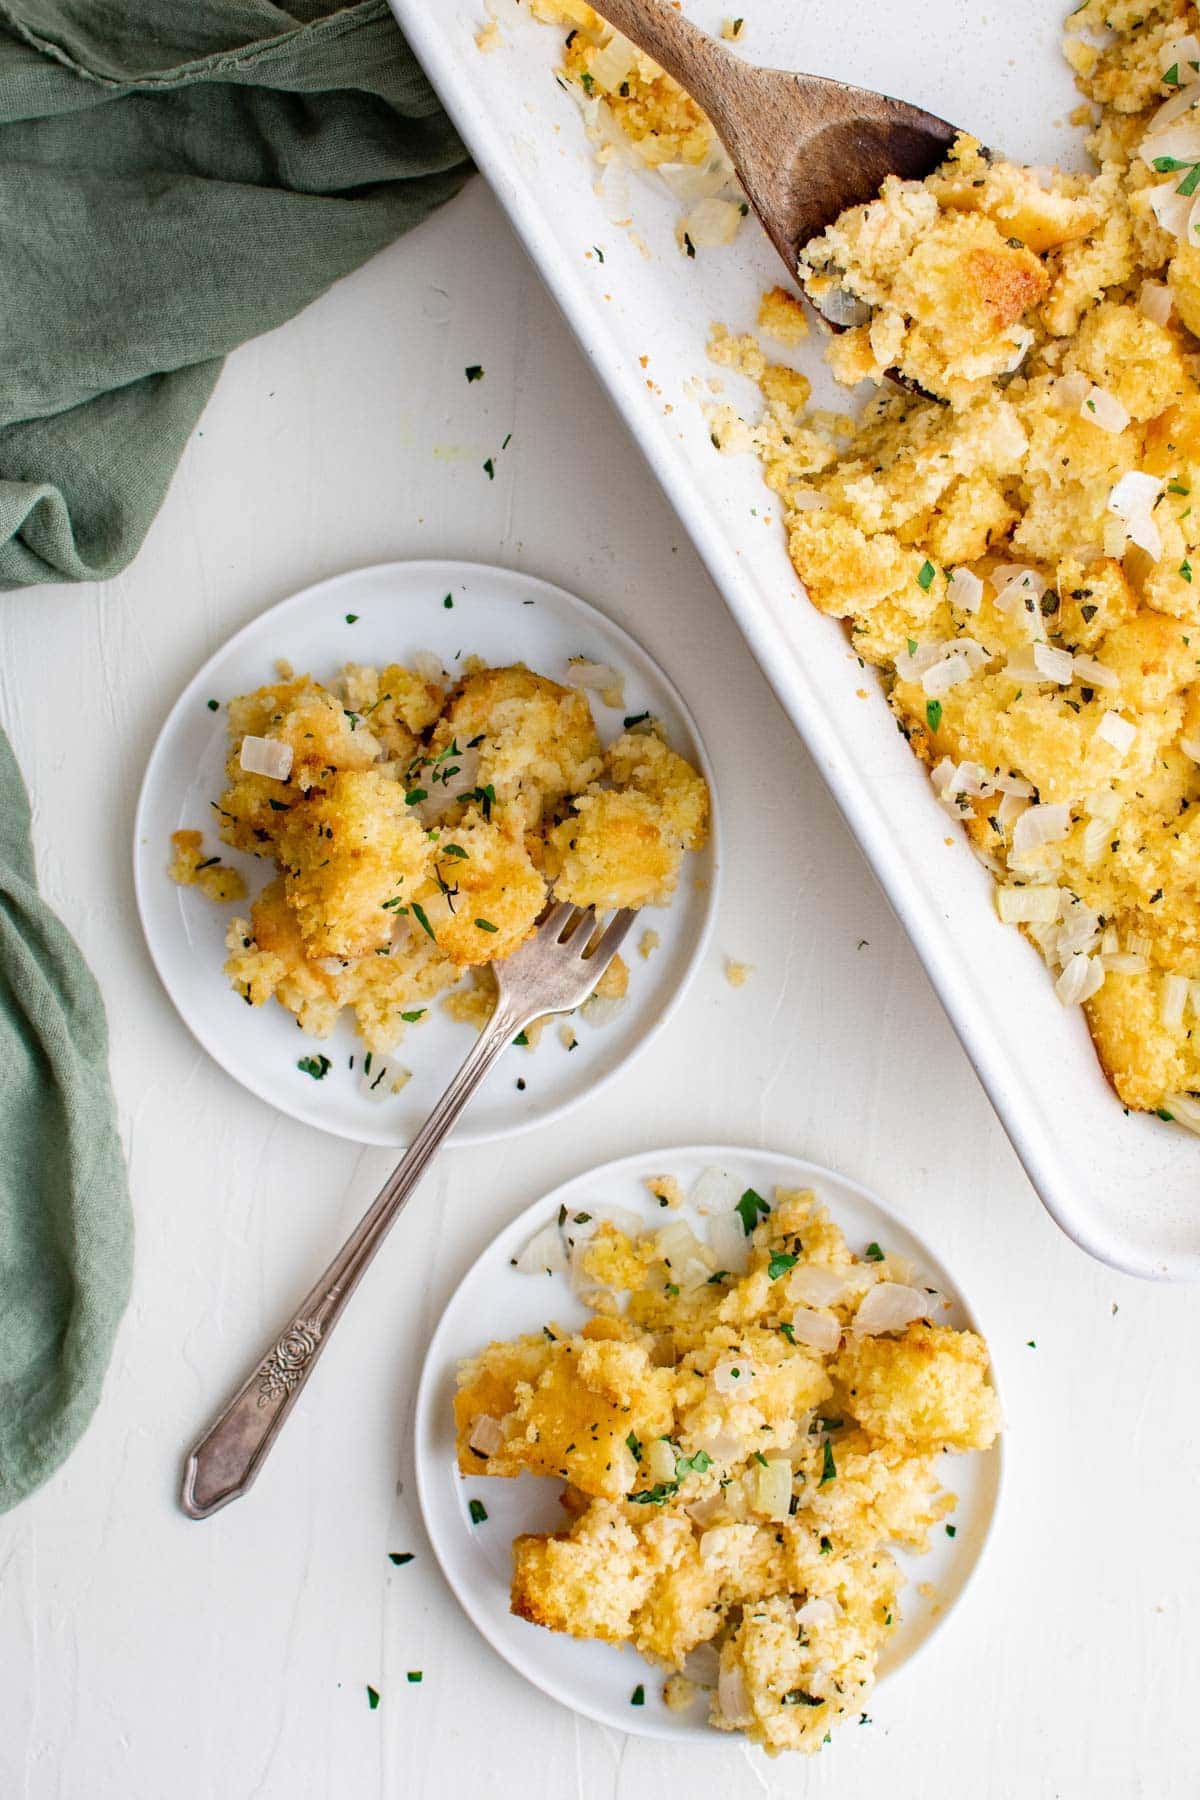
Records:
x=678, y=1691
x=191, y=868
x=782, y=314
x=566, y=1037
x=488, y=38
x=666, y=1190
x=401, y=1079
x=283, y=668
x=648, y=943
x=737, y=974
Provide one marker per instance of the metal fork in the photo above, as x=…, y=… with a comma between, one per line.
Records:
x=554, y=970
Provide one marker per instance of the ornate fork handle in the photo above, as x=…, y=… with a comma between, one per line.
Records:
x=224, y=1463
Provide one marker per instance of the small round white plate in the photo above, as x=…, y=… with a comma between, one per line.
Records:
x=494, y=1302
x=399, y=609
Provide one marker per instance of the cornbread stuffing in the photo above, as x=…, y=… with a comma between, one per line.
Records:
x=417, y=826
x=740, y=1446
x=1013, y=537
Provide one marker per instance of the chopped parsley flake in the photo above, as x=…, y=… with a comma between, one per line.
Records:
x=925, y=575
x=422, y=921
x=789, y=1332
x=873, y=1253
x=748, y=1209
x=316, y=1066
x=213, y=705
x=410, y=1018
x=638, y=1696
x=828, y=1466
x=933, y=714
x=477, y=1510
x=415, y=1675
x=372, y=1697
x=489, y=469
x=1185, y=569
x=400, y=1557
x=474, y=372
x=633, y=1445
x=780, y=1263
x=486, y=925
x=352, y=618
x=798, y=1697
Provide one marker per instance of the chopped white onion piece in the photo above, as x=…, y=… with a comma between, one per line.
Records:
x=601, y=677
x=912, y=664
x=712, y=223
x=1124, y=962
x=1172, y=108
x=733, y=1375
x=1172, y=210
x=1079, y=930
x=1132, y=500
x=703, y=1665
x=773, y=1487
x=1180, y=58
x=658, y=1459
x=544, y=1254
x=612, y=65
x=266, y=756
x=486, y=1435
x=1054, y=665
x=1028, y=905
x=815, y=1613
x=1095, y=674
x=1082, y=976
x=890, y=1306
x=1010, y=810
x=705, y=1511
x=965, y=590
x=1190, y=747
x=1038, y=825
x=1184, y=1109
x=1172, y=999
x=816, y=1330
x=733, y=1702
x=1021, y=339
x=1013, y=784
x=1118, y=732
x=811, y=1284
x=715, y=1190
x=806, y=500
x=602, y=1009
x=1155, y=301
x=690, y=182
x=428, y=667
x=946, y=674
x=1110, y=943
x=1069, y=392
x=1104, y=410
x=728, y=1242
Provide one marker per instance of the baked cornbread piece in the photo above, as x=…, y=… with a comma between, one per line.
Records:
x=418, y=826
x=739, y=1449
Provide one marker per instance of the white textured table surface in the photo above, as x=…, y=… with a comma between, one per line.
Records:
x=146, y=1658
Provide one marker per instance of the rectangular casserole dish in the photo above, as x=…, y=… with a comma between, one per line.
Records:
x=1126, y=1188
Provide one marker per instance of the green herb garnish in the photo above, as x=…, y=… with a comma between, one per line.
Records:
x=925, y=575
x=780, y=1263
x=638, y=1696
x=748, y=1209
x=486, y=925
x=316, y=1066
x=400, y=1557
x=372, y=1697
x=422, y=921
x=634, y=1447
x=873, y=1253
x=477, y=1510
x=933, y=714
x=474, y=372
x=828, y=1466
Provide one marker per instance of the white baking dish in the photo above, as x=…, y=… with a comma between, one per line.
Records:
x=1126, y=1188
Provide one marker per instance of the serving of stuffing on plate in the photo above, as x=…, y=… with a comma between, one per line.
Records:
x=418, y=824
x=1012, y=538
x=740, y=1445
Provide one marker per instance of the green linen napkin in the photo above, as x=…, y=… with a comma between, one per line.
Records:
x=175, y=177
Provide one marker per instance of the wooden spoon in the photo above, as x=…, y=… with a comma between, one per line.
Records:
x=804, y=148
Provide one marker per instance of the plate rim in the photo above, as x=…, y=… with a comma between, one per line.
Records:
x=432, y=1368
x=456, y=568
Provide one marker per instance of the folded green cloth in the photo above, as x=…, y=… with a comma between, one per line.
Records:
x=175, y=177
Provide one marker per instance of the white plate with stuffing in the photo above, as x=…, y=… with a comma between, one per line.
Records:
x=446, y=611
x=472, y=1521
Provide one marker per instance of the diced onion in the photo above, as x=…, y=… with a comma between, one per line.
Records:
x=1039, y=825
x=1184, y=1109
x=1069, y=391
x=1124, y=962
x=486, y=1435
x=1079, y=930
x=612, y=65
x=1028, y=905
x=1132, y=500
x=1172, y=210
x=1155, y=301
x=806, y=500
x=812, y=1285
x=1010, y=810
x=965, y=590
x=773, y=1488
x=1082, y=976
x=1054, y=665
x=1095, y=674
x=815, y=1613
x=1118, y=732
x=428, y=667
x=658, y=1459
x=1190, y=747
x=733, y=1375
x=816, y=1330
x=266, y=756
x=946, y=674
x=1172, y=999
x=1181, y=54
x=1104, y=410
x=728, y=1242
x=690, y=182
x=732, y=1698
x=703, y=1665
x=1021, y=340
x=889, y=1306
x=712, y=223
x=544, y=1254
x=715, y=1190
x=601, y=677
